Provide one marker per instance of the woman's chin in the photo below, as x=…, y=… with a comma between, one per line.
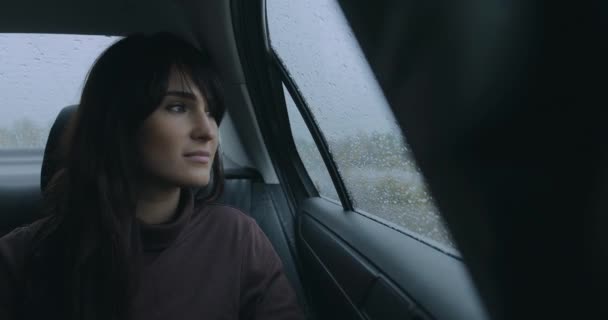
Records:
x=196, y=182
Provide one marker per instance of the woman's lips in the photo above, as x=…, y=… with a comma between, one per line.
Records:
x=198, y=157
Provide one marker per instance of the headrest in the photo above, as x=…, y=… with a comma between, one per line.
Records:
x=51, y=160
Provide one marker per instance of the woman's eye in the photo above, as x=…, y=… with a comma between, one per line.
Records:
x=177, y=108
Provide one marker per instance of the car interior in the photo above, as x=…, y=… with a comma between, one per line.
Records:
x=498, y=104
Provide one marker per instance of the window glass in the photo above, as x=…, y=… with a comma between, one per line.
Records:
x=39, y=75
x=316, y=45
x=309, y=152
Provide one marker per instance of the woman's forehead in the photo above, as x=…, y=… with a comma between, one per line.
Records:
x=182, y=82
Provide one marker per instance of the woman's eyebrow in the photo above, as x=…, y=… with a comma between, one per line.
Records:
x=181, y=94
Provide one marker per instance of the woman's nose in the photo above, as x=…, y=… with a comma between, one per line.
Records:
x=204, y=127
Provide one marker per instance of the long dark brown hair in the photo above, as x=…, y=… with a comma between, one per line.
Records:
x=82, y=256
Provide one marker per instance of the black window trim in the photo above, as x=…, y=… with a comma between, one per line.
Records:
x=301, y=104
x=331, y=165
x=250, y=44
x=264, y=73
x=315, y=131
x=265, y=78
x=265, y=87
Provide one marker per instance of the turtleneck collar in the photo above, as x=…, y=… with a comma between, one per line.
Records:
x=156, y=237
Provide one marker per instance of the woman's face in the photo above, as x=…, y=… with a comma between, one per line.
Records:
x=178, y=141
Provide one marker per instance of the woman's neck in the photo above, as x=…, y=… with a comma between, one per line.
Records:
x=156, y=206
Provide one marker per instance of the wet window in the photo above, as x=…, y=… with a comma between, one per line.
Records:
x=39, y=75
x=316, y=45
x=309, y=152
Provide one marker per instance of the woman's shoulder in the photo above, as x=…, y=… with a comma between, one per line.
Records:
x=15, y=243
x=235, y=226
x=227, y=218
x=14, y=248
x=225, y=213
x=23, y=233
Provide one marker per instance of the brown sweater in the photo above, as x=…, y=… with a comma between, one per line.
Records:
x=209, y=263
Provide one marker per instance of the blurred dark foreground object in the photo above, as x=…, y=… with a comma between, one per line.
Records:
x=504, y=105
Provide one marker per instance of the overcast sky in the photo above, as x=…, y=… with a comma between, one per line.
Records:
x=319, y=50
x=40, y=74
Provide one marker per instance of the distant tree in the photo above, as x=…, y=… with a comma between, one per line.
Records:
x=24, y=133
x=7, y=138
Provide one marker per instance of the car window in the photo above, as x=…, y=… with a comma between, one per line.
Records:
x=315, y=44
x=309, y=152
x=39, y=75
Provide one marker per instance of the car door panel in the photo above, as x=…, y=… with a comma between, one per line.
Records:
x=384, y=301
x=355, y=275
x=381, y=270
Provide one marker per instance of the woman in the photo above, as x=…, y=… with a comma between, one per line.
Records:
x=126, y=237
